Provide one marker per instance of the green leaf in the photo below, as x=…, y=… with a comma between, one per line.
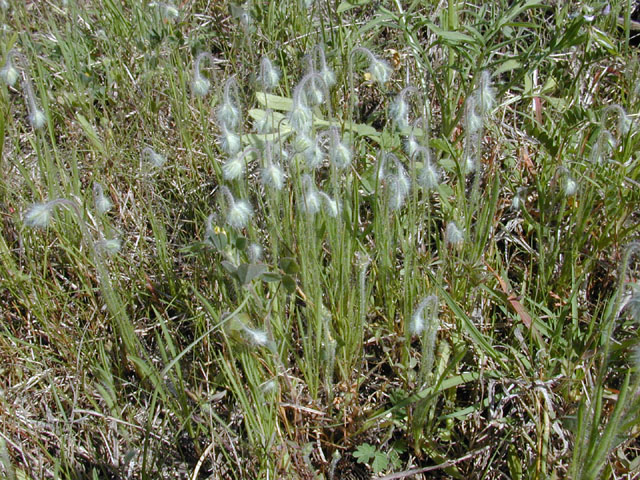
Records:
x=511, y=64
x=289, y=283
x=345, y=6
x=241, y=243
x=289, y=265
x=248, y=271
x=364, y=453
x=275, y=102
x=380, y=462
x=271, y=277
x=452, y=37
x=228, y=266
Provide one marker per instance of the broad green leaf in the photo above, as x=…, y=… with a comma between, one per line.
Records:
x=511, y=64
x=248, y=271
x=289, y=265
x=289, y=283
x=380, y=462
x=364, y=453
x=275, y=102
x=452, y=37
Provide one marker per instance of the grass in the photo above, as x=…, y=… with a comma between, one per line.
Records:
x=344, y=283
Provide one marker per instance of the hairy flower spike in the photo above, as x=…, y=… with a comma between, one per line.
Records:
x=624, y=122
x=453, y=235
x=269, y=74
x=429, y=175
x=321, y=67
x=340, y=155
x=311, y=201
x=272, y=175
x=238, y=211
x=9, y=73
x=229, y=111
x=200, y=85
x=379, y=69
x=100, y=200
x=399, y=108
x=397, y=180
x=38, y=215
x=332, y=207
x=156, y=159
x=230, y=141
x=485, y=93
x=418, y=322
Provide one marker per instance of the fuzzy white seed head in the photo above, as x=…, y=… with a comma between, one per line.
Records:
x=380, y=71
x=332, y=207
x=416, y=324
x=485, y=94
x=100, y=200
x=301, y=118
x=257, y=338
x=429, y=177
x=156, y=159
x=314, y=93
x=9, y=74
x=200, y=86
x=397, y=192
x=239, y=214
x=233, y=168
x=341, y=155
x=230, y=141
x=518, y=200
x=269, y=74
x=569, y=186
x=228, y=115
x=254, y=252
x=469, y=164
x=453, y=235
x=473, y=120
x=328, y=76
x=411, y=145
x=170, y=12
x=311, y=201
x=111, y=246
x=37, y=119
x=269, y=387
x=38, y=215
x=273, y=177
x=399, y=112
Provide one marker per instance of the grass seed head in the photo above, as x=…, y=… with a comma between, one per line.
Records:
x=453, y=235
x=38, y=215
x=9, y=73
x=269, y=74
x=37, y=119
x=100, y=200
